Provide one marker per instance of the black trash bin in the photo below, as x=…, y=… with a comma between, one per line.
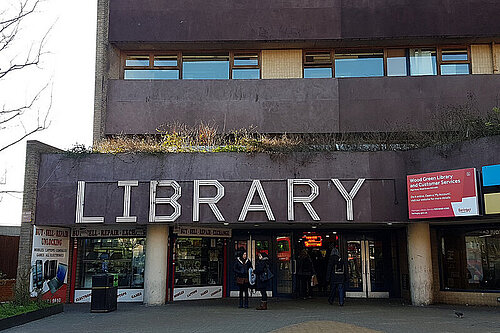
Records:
x=104, y=293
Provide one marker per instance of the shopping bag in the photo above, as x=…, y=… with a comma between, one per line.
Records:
x=314, y=281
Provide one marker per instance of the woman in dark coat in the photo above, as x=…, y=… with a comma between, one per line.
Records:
x=305, y=271
x=262, y=267
x=241, y=268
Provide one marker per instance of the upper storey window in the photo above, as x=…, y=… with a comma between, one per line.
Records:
x=454, y=61
x=359, y=63
x=318, y=64
x=423, y=61
x=192, y=66
x=205, y=66
x=151, y=67
x=397, y=62
x=245, y=66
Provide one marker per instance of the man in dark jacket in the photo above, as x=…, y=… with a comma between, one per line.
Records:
x=305, y=271
x=262, y=268
x=336, y=275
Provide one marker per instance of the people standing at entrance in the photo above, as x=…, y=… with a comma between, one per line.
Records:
x=305, y=271
x=264, y=276
x=241, y=268
x=336, y=274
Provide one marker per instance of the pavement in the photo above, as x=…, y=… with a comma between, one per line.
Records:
x=283, y=316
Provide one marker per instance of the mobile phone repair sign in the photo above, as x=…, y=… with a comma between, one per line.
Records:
x=49, y=263
x=443, y=194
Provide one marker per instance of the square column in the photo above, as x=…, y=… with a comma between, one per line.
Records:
x=420, y=263
x=155, y=273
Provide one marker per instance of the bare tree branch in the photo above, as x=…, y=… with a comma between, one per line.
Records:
x=31, y=117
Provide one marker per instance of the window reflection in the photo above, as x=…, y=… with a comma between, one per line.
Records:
x=151, y=74
x=205, y=67
x=397, y=64
x=423, y=62
x=359, y=64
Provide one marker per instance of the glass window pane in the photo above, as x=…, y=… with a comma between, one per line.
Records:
x=454, y=55
x=318, y=58
x=151, y=74
x=137, y=60
x=454, y=69
x=246, y=74
x=212, y=67
x=396, y=62
x=359, y=64
x=165, y=60
x=317, y=72
x=423, y=62
x=246, y=60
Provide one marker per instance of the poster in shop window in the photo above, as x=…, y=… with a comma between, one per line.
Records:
x=49, y=263
x=449, y=193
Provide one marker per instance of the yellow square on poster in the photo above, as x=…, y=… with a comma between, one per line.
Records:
x=492, y=203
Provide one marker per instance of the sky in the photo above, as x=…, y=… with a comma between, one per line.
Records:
x=68, y=72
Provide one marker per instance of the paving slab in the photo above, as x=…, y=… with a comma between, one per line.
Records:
x=284, y=315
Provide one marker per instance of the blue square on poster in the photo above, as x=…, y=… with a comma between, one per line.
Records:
x=491, y=175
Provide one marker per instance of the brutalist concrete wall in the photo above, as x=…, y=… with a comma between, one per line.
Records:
x=229, y=20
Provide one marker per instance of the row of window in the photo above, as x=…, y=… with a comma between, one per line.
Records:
x=316, y=64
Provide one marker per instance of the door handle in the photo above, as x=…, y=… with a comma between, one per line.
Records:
x=294, y=266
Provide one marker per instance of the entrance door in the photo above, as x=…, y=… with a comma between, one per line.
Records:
x=284, y=276
x=365, y=260
x=253, y=245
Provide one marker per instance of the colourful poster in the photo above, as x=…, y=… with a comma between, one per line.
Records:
x=491, y=189
x=443, y=194
x=49, y=263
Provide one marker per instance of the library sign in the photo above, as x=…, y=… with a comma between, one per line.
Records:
x=283, y=200
x=443, y=194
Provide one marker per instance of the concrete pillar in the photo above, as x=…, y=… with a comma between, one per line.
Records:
x=155, y=274
x=420, y=263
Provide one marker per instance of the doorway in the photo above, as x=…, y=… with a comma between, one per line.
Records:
x=367, y=268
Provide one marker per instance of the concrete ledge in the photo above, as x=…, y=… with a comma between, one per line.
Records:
x=30, y=316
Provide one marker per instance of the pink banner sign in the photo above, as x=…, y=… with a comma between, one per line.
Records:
x=443, y=194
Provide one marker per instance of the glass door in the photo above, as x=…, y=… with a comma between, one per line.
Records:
x=284, y=276
x=365, y=261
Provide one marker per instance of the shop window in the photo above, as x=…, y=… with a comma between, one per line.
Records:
x=151, y=67
x=397, y=62
x=423, y=62
x=359, y=63
x=470, y=260
x=122, y=256
x=205, y=66
x=454, y=61
x=199, y=262
x=245, y=66
x=318, y=64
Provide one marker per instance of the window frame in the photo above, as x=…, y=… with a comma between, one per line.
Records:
x=440, y=61
x=306, y=64
x=244, y=52
x=151, y=65
x=179, y=55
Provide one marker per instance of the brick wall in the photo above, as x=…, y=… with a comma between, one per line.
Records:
x=33, y=151
x=101, y=67
x=7, y=290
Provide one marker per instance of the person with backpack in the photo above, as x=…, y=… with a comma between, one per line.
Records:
x=336, y=275
x=264, y=276
x=241, y=273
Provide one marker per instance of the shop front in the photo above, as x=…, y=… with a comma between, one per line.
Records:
x=198, y=262
x=113, y=250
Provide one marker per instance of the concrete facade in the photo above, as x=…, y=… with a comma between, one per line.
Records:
x=155, y=276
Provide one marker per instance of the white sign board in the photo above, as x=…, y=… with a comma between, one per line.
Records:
x=183, y=294
x=124, y=295
x=49, y=263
